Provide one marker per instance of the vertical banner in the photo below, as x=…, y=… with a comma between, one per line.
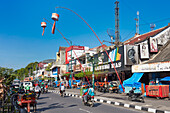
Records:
x=153, y=45
x=144, y=50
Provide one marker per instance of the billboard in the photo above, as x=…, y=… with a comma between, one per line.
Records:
x=77, y=51
x=144, y=50
x=130, y=54
x=153, y=45
x=163, y=37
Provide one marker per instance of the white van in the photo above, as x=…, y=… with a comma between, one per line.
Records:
x=30, y=84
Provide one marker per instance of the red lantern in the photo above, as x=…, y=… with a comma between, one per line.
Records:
x=55, y=17
x=43, y=24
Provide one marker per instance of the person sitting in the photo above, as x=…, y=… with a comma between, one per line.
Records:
x=91, y=91
x=85, y=94
x=27, y=88
x=62, y=88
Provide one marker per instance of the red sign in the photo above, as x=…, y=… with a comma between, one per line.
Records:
x=76, y=52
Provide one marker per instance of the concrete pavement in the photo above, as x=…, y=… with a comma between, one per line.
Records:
x=150, y=105
x=53, y=103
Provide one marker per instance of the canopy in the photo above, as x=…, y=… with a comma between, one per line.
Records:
x=135, y=78
x=165, y=79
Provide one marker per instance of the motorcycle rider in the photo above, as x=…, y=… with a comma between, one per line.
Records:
x=91, y=91
x=85, y=94
x=62, y=88
x=27, y=88
x=38, y=89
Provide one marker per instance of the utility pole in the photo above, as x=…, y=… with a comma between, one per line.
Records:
x=117, y=32
x=137, y=23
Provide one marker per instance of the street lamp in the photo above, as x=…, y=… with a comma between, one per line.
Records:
x=91, y=59
x=71, y=75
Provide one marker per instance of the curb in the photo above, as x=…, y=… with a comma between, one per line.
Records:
x=117, y=103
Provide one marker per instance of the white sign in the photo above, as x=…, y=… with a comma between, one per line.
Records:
x=144, y=50
x=153, y=45
x=152, y=67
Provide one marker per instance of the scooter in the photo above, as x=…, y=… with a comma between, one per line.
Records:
x=90, y=101
x=46, y=90
x=135, y=96
x=62, y=93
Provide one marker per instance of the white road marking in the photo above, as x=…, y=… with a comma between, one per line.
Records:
x=85, y=110
x=152, y=110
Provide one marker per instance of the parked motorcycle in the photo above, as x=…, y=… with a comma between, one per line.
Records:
x=114, y=86
x=90, y=101
x=135, y=96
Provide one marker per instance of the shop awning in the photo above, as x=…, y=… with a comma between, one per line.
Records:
x=165, y=79
x=135, y=78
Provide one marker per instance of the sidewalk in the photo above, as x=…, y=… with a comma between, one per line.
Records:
x=161, y=104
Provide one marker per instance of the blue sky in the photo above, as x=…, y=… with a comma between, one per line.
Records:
x=21, y=41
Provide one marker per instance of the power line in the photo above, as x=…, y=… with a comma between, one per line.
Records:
x=156, y=21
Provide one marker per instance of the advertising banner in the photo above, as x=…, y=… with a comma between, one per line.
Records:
x=153, y=45
x=152, y=67
x=130, y=54
x=77, y=51
x=163, y=36
x=117, y=57
x=144, y=50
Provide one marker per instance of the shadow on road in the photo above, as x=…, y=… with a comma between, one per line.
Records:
x=72, y=105
x=96, y=104
x=40, y=103
x=54, y=106
x=42, y=98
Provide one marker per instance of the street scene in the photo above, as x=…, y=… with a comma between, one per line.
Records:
x=85, y=56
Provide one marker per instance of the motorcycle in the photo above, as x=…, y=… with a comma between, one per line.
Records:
x=135, y=96
x=42, y=89
x=62, y=93
x=90, y=101
x=46, y=90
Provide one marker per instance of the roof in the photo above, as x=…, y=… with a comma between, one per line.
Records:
x=48, y=61
x=61, y=48
x=140, y=38
x=163, y=55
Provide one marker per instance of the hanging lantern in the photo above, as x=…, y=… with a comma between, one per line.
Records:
x=55, y=17
x=43, y=24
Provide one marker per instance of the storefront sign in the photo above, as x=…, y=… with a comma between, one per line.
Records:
x=109, y=66
x=152, y=67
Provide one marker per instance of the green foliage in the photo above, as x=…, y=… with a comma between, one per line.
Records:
x=8, y=74
x=67, y=74
x=20, y=73
x=49, y=66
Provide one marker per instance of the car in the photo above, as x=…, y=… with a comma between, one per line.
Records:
x=30, y=84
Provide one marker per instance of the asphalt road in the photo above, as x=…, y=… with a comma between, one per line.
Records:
x=53, y=103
